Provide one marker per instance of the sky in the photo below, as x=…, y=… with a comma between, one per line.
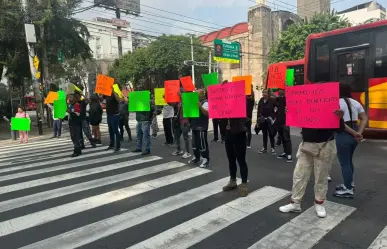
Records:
x=216, y=14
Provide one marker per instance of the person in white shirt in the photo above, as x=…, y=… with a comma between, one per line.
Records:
x=168, y=114
x=346, y=142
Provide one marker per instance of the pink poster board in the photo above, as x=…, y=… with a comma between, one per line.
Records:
x=227, y=100
x=312, y=105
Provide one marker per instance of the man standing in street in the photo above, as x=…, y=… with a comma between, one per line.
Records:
x=85, y=127
x=283, y=130
x=199, y=128
x=113, y=120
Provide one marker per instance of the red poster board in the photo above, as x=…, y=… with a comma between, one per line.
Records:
x=277, y=76
x=172, y=88
x=187, y=83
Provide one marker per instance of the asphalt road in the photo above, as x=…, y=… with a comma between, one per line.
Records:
x=124, y=200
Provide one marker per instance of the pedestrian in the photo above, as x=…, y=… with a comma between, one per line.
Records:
x=95, y=116
x=124, y=120
x=265, y=118
x=236, y=144
x=182, y=127
x=144, y=120
x=85, y=125
x=346, y=142
x=154, y=124
x=57, y=123
x=315, y=154
x=74, y=112
x=199, y=128
x=113, y=120
x=283, y=130
x=250, y=102
x=23, y=135
x=168, y=113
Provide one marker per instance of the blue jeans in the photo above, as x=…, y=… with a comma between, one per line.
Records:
x=113, y=123
x=57, y=128
x=143, y=135
x=346, y=145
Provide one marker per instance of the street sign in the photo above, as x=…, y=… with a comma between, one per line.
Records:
x=226, y=51
x=128, y=5
x=120, y=33
x=36, y=62
x=60, y=56
x=120, y=23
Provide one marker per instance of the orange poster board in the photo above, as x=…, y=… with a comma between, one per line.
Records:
x=248, y=79
x=104, y=85
x=277, y=76
x=187, y=83
x=172, y=88
x=51, y=97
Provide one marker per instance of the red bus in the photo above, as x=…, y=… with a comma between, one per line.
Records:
x=358, y=56
x=298, y=67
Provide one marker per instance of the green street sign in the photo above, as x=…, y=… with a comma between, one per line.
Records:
x=60, y=56
x=226, y=51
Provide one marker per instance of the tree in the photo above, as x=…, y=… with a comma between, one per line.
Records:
x=291, y=44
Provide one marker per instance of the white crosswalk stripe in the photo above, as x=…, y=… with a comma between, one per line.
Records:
x=53, y=201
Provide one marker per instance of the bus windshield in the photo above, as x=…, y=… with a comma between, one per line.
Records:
x=357, y=56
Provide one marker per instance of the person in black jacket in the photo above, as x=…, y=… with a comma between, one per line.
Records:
x=283, y=130
x=124, y=120
x=250, y=101
x=265, y=119
x=315, y=154
x=95, y=117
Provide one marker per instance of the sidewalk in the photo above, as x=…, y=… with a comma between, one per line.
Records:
x=5, y=133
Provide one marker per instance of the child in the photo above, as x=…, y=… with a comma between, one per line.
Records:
x=22, y=134
x=74, y=111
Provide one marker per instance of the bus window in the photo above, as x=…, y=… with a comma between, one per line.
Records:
x=380, y=55
x=351, y=69
x=322, y=72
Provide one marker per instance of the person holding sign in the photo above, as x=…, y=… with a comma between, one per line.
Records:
x=113, y=120
x=22, y=134
x=181, y=127
x=75, y=122
x=265, y=119
x=199, y=128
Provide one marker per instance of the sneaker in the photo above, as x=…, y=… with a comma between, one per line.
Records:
x=205, y=163
x=110, y=148
x=147, y=152
x=330, y=179
x=342, y=186
x=289, y=159
x=117, y=149
x=222, y=141
x=282, y=156
x=291, y=208
x=248, y=146
x=186, y=155
x=58, y=136
x=320, y=210
x=166, y=144
x=94, y=145
x=194, y=160
x=344, y=193
x=232, y=184
x=278, y=143
x=136, y=150
x=262, y=151
x=172, y=144
x=177, y=153
x=243, y=190
x=54, y=136
x=273, y=152
x=214, y=140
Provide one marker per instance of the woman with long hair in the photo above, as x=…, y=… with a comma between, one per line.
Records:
x=346, y=142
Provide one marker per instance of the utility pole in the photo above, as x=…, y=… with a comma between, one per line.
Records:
x=119, y=39
x=192, y=58
x=209, y=61
x=31, y=40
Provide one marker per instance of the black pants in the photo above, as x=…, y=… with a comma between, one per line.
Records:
x=75, y=131
x=248, y=127
x=267, y=131
x=200, y=144
x=168, y=131
x=124, y=122
x=284, y=136
x=219, y=124
x=85, y=128
x=236, y=151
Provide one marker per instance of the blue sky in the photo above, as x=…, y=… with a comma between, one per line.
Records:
x=216, y=14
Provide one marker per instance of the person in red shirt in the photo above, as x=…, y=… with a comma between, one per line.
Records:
x=74, y=111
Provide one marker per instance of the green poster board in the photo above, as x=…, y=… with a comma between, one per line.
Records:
x=290, y=77
x=190, y=105
x=139, y=101
x=60, y=108
x=20, y=124
x=210, y=79
x=61, y=95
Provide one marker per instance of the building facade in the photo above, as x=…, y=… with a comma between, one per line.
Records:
x=308, y=8
x=141, y=40
x=363, y=13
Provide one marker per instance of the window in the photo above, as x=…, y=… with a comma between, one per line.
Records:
x=351, y=69
x=382, y=16
x=322, y=63
x=380, y=69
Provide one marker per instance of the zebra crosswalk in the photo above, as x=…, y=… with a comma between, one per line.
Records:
x=103, y=199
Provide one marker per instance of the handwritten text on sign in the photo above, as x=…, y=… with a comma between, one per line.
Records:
x=313, y=105
x=227, y=100
x=104, y=85
x=277, y=76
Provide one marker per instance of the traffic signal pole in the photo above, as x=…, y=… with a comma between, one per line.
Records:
x=119, y=39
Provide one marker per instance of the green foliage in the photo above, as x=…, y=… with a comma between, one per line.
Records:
x=162, y=60
x=291, y=44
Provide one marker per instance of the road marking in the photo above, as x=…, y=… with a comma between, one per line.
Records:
x=197, y=229
x=381, y=241
x=32, y=153
x=54, y=213
x=104, y=228
x=305, y=230
x=86, y=154
x=50, y=194
x=38, y=182
x=29, y=146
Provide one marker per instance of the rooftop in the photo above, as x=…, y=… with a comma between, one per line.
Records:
x=237, y=29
